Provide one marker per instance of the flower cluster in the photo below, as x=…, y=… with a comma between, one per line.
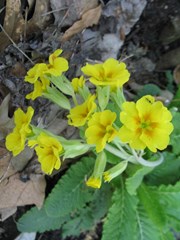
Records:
x=107, y=123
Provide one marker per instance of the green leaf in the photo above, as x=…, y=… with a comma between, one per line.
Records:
x=38, y=221
x=176, y=100
x=152, y=206
x=146, y=230
x=169, y=197
x=81, y=221
x=101, y=202
x=87, y=217
x=70, y=192
x=133, y=182
x=166, y=236
x=121, y=219
x=175, y=136
x=151, y=89
x=167, y=172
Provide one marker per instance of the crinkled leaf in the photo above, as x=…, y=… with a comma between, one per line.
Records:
x=175, y=136
x=121, y=219
x=146, y=230
x=70, y=192
x=38, y=221
x=152, y=206
x=134, y=181
x=167, y=172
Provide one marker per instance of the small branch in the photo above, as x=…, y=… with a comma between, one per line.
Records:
x=15, y=45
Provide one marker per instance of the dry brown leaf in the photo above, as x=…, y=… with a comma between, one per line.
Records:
x=18, y=70
x=40, y=18
x=176, y=74
x=14, y=192
x=70, y=11
x=6, y=168
x=88, y=19
x=21, y=160
x=6, y=124
x=14, y=23
x=7, y=212
x=11, y=20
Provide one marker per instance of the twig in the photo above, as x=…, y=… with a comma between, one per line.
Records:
x=2, y=9
x=15, y=45
x=56, y=10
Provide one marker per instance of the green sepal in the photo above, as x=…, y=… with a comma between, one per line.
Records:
x=103, y=94
x=57, y=97
x=63, y=84
x=118, y=97
x=84, y=92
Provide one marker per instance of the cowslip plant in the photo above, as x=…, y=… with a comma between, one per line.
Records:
x=122, y=179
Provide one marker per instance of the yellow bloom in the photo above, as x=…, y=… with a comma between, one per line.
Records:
x=57, y=65
x=112, y=73
x=77, y=83
x=146, y=124
x=80, y=114
x=48, y=150
x=15, y=141
x=36, y=76
x=100, y=130
x=94, y=182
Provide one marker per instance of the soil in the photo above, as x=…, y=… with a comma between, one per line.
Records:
x=144, y=47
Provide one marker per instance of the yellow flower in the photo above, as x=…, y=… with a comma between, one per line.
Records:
x=57, y=65
x=112, y=73
x=77, y=83
x=146, y=124
x=94, y=182
x=80, y=114
x=100, y=130
x=36, y=76
x=48, y=150
x=15, y=141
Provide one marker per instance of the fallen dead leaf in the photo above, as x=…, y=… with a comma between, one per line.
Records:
x=21, y=160
x=6, y=123
x=7, y=212
x=14, y=192
x=18, y=70
x=176, y=74
x=67, y=12
x=6, y=168
x=15, y=25
x=11, y=20
x=88, y=19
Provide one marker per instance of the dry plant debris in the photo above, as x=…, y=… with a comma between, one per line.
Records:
x=88, y=19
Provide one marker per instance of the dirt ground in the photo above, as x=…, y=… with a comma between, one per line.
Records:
x=150, y=50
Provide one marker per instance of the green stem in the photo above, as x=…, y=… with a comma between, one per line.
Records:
x=120, y=154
